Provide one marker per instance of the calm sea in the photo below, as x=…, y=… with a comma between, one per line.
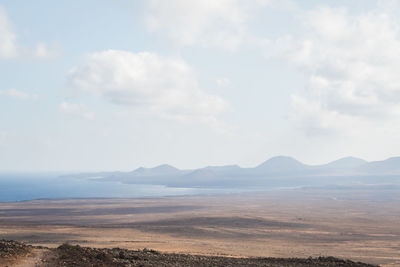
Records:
x=19, y=187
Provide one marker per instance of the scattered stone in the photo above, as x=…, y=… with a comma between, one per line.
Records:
x=10, y=248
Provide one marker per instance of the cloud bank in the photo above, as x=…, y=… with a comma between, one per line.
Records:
x=165, y=87
x=208, y=23
x=352, y=66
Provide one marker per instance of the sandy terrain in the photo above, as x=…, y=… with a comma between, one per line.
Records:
x=356, y=225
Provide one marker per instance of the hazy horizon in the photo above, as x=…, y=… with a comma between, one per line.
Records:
x=195, y=168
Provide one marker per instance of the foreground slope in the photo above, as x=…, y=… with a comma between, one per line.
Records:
x=69, y=255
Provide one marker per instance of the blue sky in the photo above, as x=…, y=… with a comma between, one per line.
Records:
x=117, y=84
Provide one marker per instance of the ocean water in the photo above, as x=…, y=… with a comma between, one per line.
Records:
x=20, y=187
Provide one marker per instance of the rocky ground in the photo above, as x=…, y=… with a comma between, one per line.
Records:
x=12, y=253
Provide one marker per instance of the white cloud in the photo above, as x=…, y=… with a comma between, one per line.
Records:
x=352, y=62
x=165, y=87
x=43, y=51
x=79, y=110
x=9, y=47
x=223, y=82
x=314, y=119
x=218, y=23
x=14, y=93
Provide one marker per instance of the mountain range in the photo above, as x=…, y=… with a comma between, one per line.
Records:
x=276, y=171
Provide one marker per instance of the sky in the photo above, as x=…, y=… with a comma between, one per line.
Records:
x=116, y=84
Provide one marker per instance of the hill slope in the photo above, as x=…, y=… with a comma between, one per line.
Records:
x=281, y=164
x=68, y=255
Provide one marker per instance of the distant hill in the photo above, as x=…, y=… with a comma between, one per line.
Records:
x=163, y=170
x=345, y=163
x=275, y=172
x=389, y=166
x=281, y=164
x=226, y=168
x=215, y=171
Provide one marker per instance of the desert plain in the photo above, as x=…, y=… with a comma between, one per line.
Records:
x=360, y=224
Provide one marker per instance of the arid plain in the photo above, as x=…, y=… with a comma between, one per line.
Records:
x=352, y=223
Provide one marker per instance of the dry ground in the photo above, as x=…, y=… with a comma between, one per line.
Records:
x=359, y=225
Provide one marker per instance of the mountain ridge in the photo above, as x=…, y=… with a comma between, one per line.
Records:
x=276, y=171
x=275, y=160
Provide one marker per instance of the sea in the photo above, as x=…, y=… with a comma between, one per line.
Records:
x=22, y=187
